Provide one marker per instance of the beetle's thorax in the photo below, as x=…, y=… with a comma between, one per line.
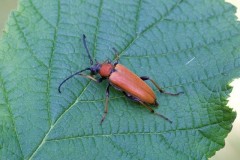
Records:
x=106, y=69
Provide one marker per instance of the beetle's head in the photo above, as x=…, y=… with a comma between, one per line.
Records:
x=95, y=68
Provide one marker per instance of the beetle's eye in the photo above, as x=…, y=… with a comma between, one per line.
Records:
x=97, y=70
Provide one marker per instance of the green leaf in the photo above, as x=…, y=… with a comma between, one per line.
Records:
x=184, y=45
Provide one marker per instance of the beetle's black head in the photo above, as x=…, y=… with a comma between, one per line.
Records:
x=95, y=68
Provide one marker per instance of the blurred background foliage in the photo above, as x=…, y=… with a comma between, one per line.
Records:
x=6, y=6
x=231, y=151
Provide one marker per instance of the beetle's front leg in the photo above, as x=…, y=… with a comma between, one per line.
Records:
x=92, y=78
x=106, y=104
x=89, y=77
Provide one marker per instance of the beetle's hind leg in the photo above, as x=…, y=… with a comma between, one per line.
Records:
x=146, y=106
x=152, y=111
x=144, y=78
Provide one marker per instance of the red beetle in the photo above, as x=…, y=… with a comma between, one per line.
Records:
x=124, y=80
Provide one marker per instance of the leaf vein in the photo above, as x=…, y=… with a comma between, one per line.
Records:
x=11, y=114
x=132, y=133
x=39, y=13
x=49, y=80
x=132, y=41
x=138, y=15
x=206, y=45
x=97, y=27
x=54, y=124
x=26, y=42
x=122, y=149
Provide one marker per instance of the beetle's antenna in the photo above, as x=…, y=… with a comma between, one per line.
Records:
x=59, y=87
x=85, y=46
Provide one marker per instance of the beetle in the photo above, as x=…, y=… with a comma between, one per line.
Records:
x=121, y=78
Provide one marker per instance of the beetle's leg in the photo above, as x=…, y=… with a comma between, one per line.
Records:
x=89, y=77
x=152, y=111
x=100, y=79
x=149, y=108
x=116, y=56
x=92, y=78
x=156, y=85
x=106, y=104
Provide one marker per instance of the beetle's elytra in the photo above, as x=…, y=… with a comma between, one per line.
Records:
x=121, y=78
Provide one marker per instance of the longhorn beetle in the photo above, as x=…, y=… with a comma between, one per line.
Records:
x=122, y=79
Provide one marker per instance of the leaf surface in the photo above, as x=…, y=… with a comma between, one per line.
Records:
x=186, y=45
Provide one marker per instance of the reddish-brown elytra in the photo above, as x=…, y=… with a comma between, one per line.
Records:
x=124, y=80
